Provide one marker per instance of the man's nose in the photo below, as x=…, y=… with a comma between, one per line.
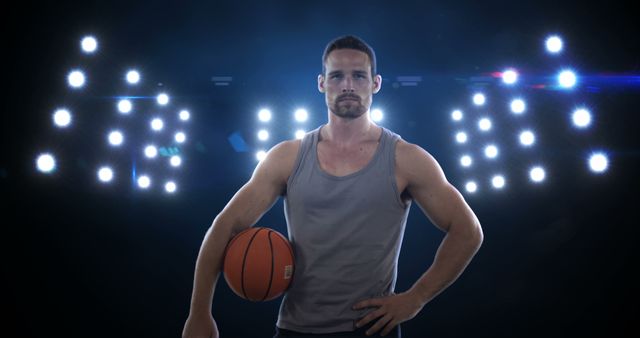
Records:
x=348, y=85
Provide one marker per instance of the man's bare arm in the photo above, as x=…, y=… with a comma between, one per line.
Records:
x=246, y=207
x=447, y=210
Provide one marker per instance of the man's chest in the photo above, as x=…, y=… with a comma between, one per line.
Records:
x=345, y=161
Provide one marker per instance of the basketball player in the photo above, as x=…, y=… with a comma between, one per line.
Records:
x=348, y=186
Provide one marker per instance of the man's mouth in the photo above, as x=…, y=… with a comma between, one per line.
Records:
x=349, y=98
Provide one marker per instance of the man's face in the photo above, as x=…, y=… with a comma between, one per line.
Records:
x=347, y=83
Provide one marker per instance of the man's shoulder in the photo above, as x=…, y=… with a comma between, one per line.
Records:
x=283, y=155
x=287, y=148
x=406, y=149
x=412, y=158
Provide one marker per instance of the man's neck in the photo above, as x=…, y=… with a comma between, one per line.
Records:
x=347, y=132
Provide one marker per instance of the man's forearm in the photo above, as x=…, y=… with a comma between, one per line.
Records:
x=208, y=266
x=454, y=254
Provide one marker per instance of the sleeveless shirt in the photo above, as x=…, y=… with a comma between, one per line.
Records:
x=346, y=233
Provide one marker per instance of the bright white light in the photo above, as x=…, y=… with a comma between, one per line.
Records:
x=76, y=79
x=144, y=182
x=479, y=99
x=498, y=181
x=537, y=174
x=46, y=163
x=162, y=99
x=491, y=151
x=133, y=76
x=124, y=106
x=115, y=138
x=527, y=138
x=260, y=155
x=554, y=44
x=461, y=137
x=466, y=161
x=567, y=79
x=62, y=118
x=471, y=186
x=263, y=135
x=264, y=115
x=89, y=44
x=484, y=124
x=581, y=118
x=301, y=115
x=105, y=174
x=518, y=106
x=300, y=134
x=598, y=162
x=170, y=187
x=376, y=115
x=509, y=76
x=175, y=161
x=456, y=115
x=180, y=137
x=184, y=115
x=150, y=151
x=157, y=124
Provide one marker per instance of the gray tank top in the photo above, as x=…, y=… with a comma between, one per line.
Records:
x=346, y=233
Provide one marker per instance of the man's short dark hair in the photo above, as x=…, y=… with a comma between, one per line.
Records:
x=349, y=42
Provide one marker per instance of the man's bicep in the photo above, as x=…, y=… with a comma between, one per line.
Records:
x=442, y=205
x=261, y=192
x=439, y=200
x=248, y=205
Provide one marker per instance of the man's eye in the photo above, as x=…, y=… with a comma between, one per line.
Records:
x=335, y=76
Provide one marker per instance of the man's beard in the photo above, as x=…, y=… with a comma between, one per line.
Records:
x=348, y=109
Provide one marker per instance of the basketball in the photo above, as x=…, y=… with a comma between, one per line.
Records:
x=258, y=264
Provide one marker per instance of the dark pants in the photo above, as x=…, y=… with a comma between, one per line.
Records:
x=361, y=332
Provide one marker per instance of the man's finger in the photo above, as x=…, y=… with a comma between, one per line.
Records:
x=379, y=324
x=371, y=316
x=368, y=303
x=390, y=325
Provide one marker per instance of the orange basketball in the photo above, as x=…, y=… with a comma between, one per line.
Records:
x=258, y=264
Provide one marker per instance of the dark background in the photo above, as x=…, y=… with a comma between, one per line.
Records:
x=87, y=260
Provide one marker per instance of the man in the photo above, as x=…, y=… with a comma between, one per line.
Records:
x=348, y=187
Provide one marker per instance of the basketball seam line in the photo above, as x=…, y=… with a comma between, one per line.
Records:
x=244, y=260
x=272, y=263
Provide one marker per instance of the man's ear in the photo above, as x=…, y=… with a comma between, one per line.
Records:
x=321, y=83
x=377, y=83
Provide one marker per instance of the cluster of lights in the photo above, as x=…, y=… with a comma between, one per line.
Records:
x=63, y=118
x=581, y=118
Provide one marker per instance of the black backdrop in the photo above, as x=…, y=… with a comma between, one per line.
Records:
x=81, y=259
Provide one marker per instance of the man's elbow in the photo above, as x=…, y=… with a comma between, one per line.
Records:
x=470, y=232
x=476, y=236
